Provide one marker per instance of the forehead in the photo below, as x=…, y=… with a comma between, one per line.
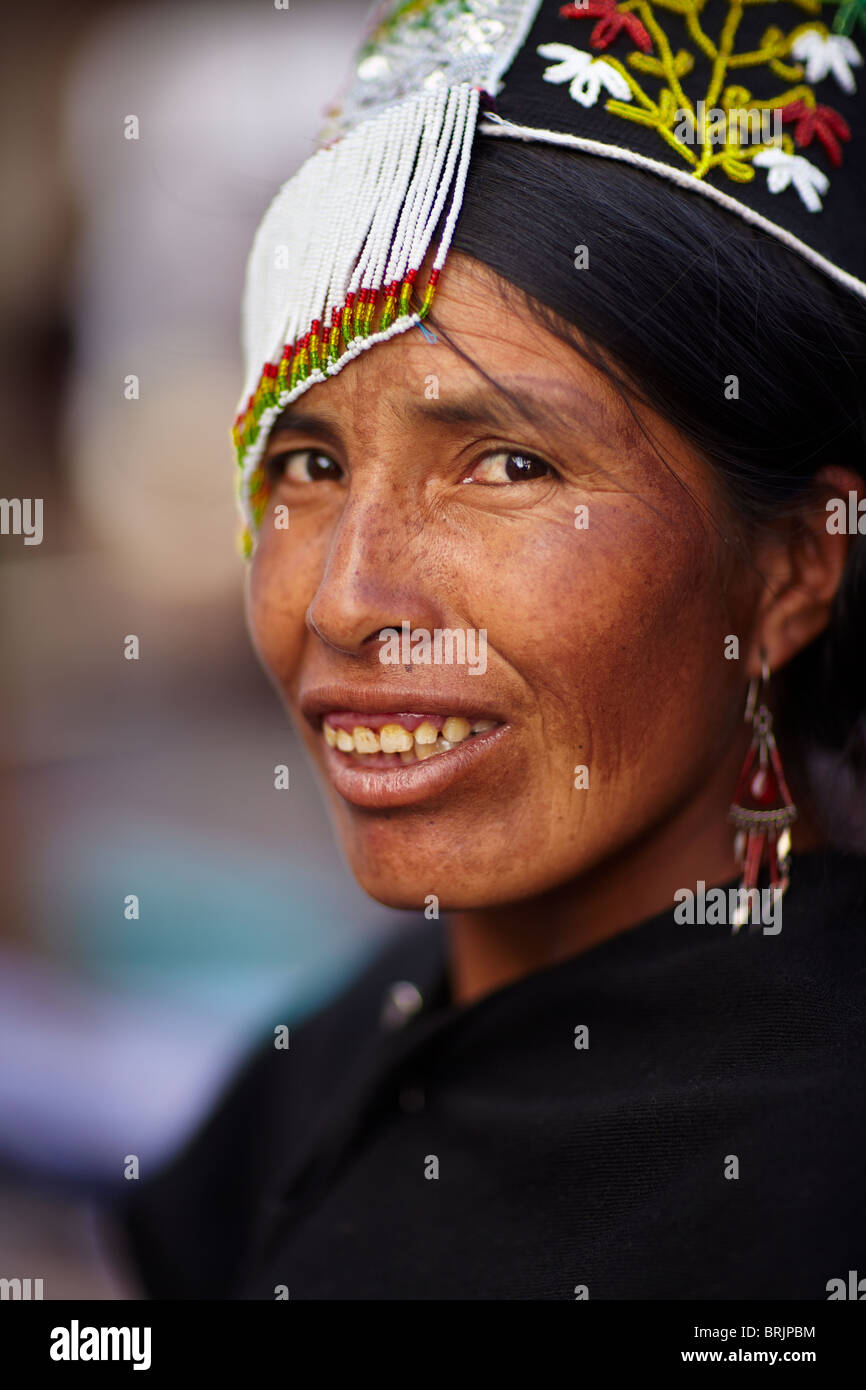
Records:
x=482, y=346
x=496, y=369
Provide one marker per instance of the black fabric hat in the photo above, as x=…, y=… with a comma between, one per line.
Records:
x=755, y=104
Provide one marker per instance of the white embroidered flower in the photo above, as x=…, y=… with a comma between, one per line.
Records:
x=823, y=53
x=785, y=169
x=586, y=74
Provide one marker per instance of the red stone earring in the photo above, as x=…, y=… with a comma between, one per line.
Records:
x=762, y=809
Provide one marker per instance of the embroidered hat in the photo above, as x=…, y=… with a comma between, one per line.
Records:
x=753, y=104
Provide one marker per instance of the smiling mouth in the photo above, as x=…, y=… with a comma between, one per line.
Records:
x=399, y=740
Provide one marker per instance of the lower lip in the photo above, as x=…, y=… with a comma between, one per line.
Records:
x=404, y=785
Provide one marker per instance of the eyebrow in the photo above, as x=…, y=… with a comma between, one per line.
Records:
x=306, y=422
x=480, y=407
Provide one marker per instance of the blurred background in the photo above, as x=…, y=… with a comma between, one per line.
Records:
x=152, y=777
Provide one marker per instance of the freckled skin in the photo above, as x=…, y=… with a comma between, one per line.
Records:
x=605, y=646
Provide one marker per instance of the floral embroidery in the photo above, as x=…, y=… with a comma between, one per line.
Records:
x=586, y=74
x=849, y=13
x=825, y=53
x=727, y=129
x=611, y=19
x=786, y=169
x=822, y=121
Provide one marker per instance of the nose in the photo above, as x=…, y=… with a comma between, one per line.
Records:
x=377, y=573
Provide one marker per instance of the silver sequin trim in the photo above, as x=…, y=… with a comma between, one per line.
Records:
x=424, y=44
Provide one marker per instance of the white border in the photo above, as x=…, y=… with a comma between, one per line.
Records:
x=498, y=126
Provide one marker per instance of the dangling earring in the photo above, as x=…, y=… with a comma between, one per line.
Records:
x=762, y=809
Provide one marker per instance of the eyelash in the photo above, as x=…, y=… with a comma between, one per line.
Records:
x=550, y=471
x=277, y=464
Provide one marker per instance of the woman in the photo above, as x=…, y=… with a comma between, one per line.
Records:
x=603, y=474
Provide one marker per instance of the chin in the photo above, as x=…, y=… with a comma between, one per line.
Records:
x=454, y=888
x=411, y=891
x=400, y=880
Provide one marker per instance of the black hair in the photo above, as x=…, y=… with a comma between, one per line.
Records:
x=677, y=295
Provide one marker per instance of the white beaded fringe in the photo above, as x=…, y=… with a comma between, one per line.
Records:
x=358, y=215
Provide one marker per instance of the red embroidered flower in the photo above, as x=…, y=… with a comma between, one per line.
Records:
x=822, y=121
x=610, y=22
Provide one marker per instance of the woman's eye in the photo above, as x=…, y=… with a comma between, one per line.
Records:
x=305, y=466
x=509, y=466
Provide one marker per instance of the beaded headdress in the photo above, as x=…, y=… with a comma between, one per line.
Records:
x=752, y=104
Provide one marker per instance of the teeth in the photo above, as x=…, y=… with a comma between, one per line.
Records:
x=395, y=739
x=365, y=740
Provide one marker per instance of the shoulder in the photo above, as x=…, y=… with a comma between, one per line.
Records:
x=794, y=985
x=820, y=935
x=186, y=1228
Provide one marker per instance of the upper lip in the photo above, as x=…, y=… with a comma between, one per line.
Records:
x=324, y=700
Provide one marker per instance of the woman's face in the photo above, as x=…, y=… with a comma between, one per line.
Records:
x=419, y=495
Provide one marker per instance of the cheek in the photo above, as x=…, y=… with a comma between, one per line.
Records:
x=615, y=629
x=280, y=586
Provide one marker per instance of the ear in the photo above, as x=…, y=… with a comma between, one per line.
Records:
x=802, y=568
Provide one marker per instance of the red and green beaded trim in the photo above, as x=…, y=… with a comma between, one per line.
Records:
x=315, y=351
